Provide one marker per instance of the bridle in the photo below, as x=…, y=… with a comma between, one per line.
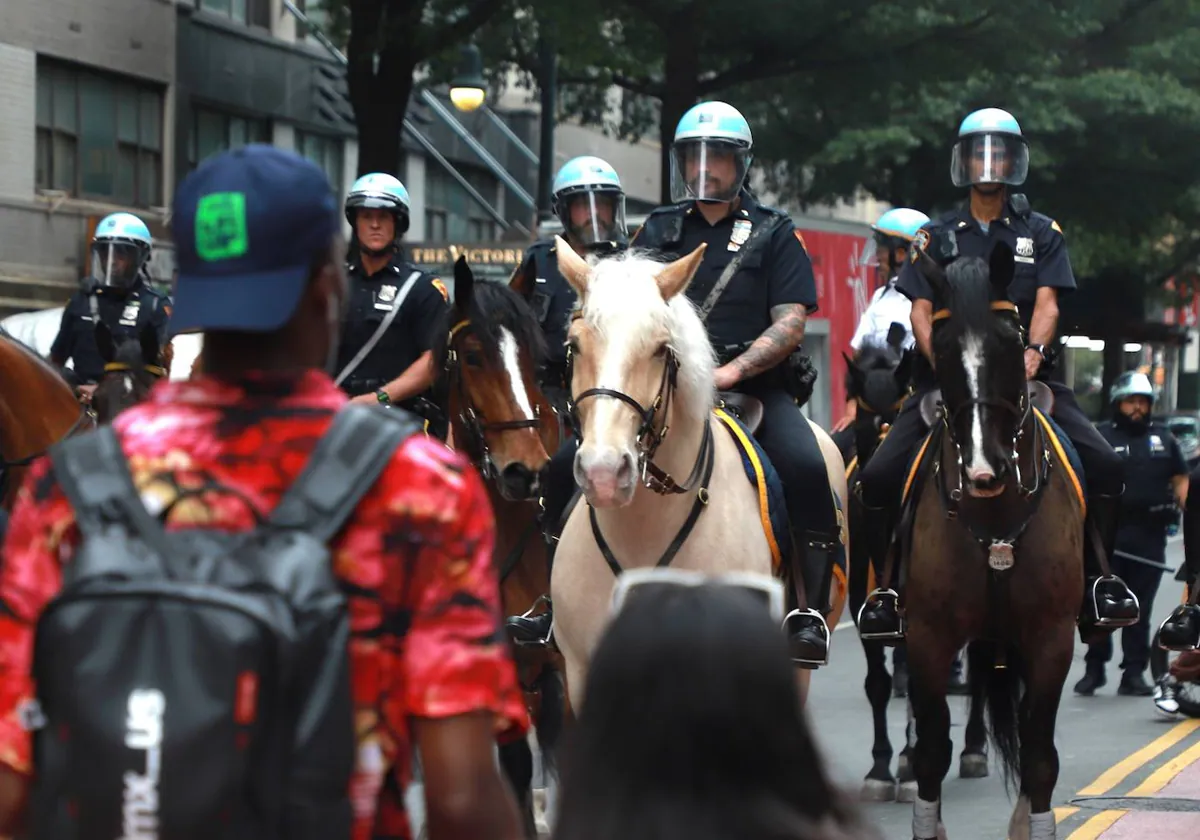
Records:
x=85, y=420
x=472, y=420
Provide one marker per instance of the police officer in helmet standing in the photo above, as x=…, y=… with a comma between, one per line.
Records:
x=115, y=294
x=590, y=204
x=1156, y=485
x=757, y=285
x=989, y=156
x=386, y=350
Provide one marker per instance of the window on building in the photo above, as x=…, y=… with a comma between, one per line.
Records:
x=317, y=12
x=213, y=131
x=325, y=152
x=451, y=214
x=252, y=12
x=98, y=136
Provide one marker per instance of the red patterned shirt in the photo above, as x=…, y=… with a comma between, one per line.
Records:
x=415, y=561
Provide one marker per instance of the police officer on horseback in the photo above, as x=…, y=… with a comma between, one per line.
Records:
x=990, y=156
x=385, y=354
x=116, y=294
x=755, y=290
x=590, y=204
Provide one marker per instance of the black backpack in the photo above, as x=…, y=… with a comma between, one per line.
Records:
x=196, y=684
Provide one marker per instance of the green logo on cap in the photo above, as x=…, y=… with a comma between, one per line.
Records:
x=221, y=226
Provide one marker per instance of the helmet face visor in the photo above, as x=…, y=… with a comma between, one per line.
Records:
x=591, y=215
x=115, y=264
x=708, y=170
x=989, y=159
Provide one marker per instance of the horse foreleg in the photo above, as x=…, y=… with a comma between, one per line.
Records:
x=880, y=784
x=973, y=763
x=1045, y=674
x=929, y=659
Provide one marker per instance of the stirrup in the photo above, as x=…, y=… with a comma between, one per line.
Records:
x=824, y=627
x=882, y=595
x=1176, y=648
x=1111, y=622
x=529, y=613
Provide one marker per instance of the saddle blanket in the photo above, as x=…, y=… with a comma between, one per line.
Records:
x=1068, y=457
x=772, y=509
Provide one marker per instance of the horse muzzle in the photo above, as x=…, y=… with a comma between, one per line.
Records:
x=608, y=476
x=517, y=482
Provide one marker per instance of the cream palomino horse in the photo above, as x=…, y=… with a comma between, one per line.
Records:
x=642, y=364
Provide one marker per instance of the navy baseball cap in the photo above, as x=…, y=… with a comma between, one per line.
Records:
x=248, y=224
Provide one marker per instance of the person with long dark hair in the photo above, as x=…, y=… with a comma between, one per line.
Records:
x=692, y=728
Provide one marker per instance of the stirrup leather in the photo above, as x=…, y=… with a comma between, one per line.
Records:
x=882, y=595
x=818, y=619
x=1110, y=622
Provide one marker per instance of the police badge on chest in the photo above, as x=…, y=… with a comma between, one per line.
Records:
x=129, y=315
x=741, y=232
x=385, y=298
x=1023, y=253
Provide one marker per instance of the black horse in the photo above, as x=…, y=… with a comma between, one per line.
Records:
x=130, y=370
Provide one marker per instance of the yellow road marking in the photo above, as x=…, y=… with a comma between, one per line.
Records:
x=1096, y=826
x=1161, y=777
x=1116, y=774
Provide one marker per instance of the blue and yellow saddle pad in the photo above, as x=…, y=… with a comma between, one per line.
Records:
x=1068, y=456
x=772, y=509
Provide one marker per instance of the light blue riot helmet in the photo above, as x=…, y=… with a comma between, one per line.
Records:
x=990, y=150
x=1131, y=384
x=893, y=230
x=589, y=201
x=121, y=246
x=383, y=191
x=711, y=153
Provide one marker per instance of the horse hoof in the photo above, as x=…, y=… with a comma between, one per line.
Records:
x=878, y=790
x=906, y=792
x=973, y=766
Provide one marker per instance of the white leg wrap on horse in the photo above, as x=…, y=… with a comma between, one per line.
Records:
x=925, y=819
x=1042, y=826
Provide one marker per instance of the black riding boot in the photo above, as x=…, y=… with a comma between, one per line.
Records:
x=879, y=616
x=808, y=634
x=1107, y=603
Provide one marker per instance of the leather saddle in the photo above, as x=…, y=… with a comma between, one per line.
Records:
x=1039, y=394
x=746, y=409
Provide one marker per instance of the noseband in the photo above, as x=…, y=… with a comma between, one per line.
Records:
x=472, y=420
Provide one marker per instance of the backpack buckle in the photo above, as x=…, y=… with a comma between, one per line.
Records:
x=31, y=716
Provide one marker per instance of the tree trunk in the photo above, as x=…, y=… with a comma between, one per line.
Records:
x=681, y=71
x=380, y=90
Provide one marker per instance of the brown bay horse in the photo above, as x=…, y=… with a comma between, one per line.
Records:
x=500, y=419
x=130, y=371
x=996, y=549
x=37, y=409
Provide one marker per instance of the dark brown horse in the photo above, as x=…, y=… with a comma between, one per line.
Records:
x=37, y=409
x=996, y=549
x=130, y=371
x=500, y=419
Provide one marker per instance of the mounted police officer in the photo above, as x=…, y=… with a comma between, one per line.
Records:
x=1156, y=484
x=385, y=353
x=989, y=156
x=894, y=232
x=590, y=203
x=116, y=294
x=755, y=290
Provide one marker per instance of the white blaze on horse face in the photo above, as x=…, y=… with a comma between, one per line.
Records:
x=972, y=358
x=512, y=366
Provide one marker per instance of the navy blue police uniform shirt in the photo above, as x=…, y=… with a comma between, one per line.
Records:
x=1151, y=460
x=778, y=272
x=1040, y=255
x=552, y=300
x=411, y=333
x=125, y=315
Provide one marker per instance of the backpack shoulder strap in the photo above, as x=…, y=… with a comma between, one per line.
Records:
x=344, y=466
x=92, y=471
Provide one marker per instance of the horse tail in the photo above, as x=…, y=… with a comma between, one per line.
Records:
x=1000, y=688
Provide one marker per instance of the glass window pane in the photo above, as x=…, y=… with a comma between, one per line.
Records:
x=149, y=170
x=63, y=85
x=150, y=120
x=45, y=144
x=127, y=115
x=126, y=186
x=237, y=132
x=97, y=135
x=45, y=99
x=261, y=131
x=210, y=134
x=218, y=6
x=62, y=163
x=238, y=11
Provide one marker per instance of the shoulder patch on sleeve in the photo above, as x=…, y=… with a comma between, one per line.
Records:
x=920, y=243
x=1054, y=226
x=441, y=287
x=800, y=237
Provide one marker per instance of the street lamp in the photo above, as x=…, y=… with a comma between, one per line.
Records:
x=468, y=89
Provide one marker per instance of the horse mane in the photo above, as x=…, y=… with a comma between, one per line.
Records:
x=970, y=297
x=494, y=306
x=873, y=357
x=623, y=298
x=22, y=347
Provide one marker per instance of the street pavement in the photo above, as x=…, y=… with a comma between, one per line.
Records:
x=1094, y=734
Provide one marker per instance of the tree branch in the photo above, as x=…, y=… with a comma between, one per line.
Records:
x=643, y=88
x=451, y=34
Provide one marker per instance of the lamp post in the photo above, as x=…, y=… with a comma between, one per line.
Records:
x=468, y=90
x=548, y=62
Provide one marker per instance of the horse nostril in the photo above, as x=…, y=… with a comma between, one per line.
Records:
x=625, y=470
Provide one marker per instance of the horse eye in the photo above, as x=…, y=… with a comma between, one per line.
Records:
x=473, y=359
x=661, y=351
x=573, y=346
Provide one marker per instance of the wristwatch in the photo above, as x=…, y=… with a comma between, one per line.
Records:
x=383, y=397
x=1040, y=348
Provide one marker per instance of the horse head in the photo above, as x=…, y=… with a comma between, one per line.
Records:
x=880, y=377
x=130, y=370
x=641, y=363
x=489, y=359
x=979, y=356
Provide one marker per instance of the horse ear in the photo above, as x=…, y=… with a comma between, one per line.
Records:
x=895, y=336
x=673, y=279
x=857, y=378
x=903, y=372
x=524, y=278
x=572, y=266
x=148, y=338
x=1001, y=266
x=104, y=341
x=464, y=286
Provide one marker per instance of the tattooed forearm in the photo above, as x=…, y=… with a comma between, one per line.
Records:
x=776, y=343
